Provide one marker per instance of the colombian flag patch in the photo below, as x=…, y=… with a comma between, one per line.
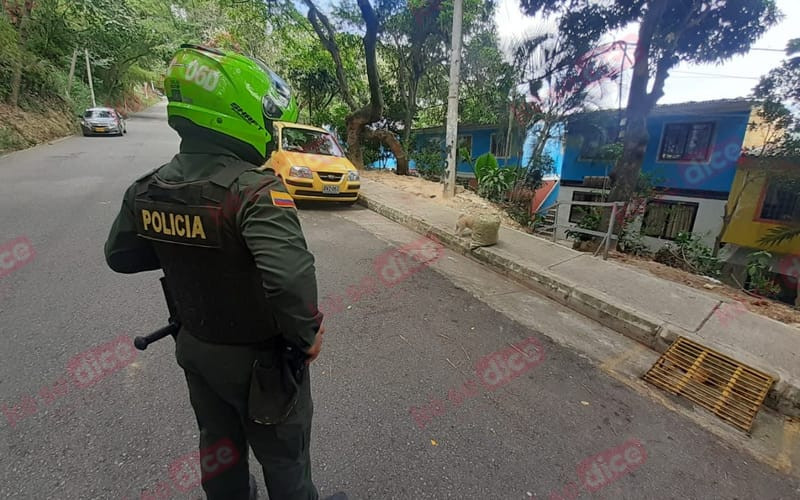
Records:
x=281, y=199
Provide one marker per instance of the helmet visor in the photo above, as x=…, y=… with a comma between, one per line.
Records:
x=277, y=97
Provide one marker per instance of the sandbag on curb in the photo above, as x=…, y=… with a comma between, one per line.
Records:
x=485, y=231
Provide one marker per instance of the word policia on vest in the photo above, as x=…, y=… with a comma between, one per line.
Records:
x=598, y=471
x=171, y=224
x=15, y=254
x=84, y=370
x=491, y=372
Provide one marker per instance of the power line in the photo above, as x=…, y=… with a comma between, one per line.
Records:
x=716, y=75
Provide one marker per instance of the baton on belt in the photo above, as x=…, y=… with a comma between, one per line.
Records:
x=172, y=328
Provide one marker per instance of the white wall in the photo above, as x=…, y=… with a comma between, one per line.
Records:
x=707, y=224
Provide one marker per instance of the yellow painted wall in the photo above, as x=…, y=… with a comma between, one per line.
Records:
x=756, y=132
x=745, y=229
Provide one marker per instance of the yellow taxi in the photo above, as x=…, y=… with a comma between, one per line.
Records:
x=312, y=165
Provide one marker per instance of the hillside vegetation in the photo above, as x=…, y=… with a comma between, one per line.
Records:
x=37, y=43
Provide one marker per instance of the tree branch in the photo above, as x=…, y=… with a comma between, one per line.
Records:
x=327, y=37
x=370, y=41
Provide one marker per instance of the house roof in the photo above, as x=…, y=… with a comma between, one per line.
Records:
x=462, y=127
x=716, y=106
x=690, y=107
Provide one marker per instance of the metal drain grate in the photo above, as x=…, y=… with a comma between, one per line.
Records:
x=728, y=388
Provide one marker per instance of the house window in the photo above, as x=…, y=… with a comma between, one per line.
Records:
x=665, y=219
x=781, y=203
x=686, y=142
x=594, y=141
x=576, y=212
x=465, y=142
x=498, y=145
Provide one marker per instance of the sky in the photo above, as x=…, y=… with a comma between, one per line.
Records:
x=687, y=82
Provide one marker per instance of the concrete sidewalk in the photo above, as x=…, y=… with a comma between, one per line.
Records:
x=643, y=307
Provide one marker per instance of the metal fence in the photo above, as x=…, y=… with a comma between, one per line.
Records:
x=607, y=235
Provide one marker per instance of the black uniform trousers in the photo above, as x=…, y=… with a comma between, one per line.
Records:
x=219, y=377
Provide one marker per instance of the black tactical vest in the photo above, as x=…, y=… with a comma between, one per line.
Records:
x=209, y=270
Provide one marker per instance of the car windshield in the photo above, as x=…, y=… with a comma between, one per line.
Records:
x=98, y=113
x=310, y=141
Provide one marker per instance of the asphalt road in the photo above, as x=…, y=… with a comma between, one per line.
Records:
x=530, y=426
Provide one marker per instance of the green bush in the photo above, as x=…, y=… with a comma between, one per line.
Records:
x=9, y=54
x=759, y=270
x=537, y=168
x=591, y=220
x=632, y=241
x=429, y=161
x=493, y=181
x=521, y=213
x=689, y=253
x=9, y=141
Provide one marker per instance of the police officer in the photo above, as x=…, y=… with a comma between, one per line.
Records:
x=227, y=236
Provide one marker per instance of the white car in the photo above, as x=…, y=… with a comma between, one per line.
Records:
x=102, y=121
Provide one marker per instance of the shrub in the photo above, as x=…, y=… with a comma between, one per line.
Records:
x=591, y=220
x=429, y=161
x=759, y=272
x=521, y=213
x=632, y=241
x=493, y=181
x=690, y=254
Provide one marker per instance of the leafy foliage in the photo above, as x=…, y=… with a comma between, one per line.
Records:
x=669, y=32
x=430, y=161
x=759, y=272
x=493, y=181
x=521, y=213
x=591, y=220
x=690, y=254
x=779, y=111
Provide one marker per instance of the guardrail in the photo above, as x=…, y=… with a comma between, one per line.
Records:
x=607, y=236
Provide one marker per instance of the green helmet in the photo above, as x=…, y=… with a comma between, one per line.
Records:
x=227, y=93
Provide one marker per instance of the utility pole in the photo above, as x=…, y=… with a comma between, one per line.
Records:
x=452, y=104
x=72, y=71
x=89, y=74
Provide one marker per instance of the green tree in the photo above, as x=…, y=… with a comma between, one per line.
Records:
x=559, y=78
x=19, y=13
x=364, y=121
x=779, y=93
x=670, y=32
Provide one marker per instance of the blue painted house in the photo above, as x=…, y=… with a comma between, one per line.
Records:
x=482, y=139
x=478, y=139
x=691, y=158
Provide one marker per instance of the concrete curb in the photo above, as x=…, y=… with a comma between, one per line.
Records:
x=655, y=334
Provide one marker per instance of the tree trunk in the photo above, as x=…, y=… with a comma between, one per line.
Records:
x=411, y=109
x=16, y=77
x=408, y=120
x=326, y=36
x=388, y=139
x=355, y=123
x=625, y=175
x=359, y=118
x=354, y=153
x=370, y=44
x=729, y=212
x=544, y=135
